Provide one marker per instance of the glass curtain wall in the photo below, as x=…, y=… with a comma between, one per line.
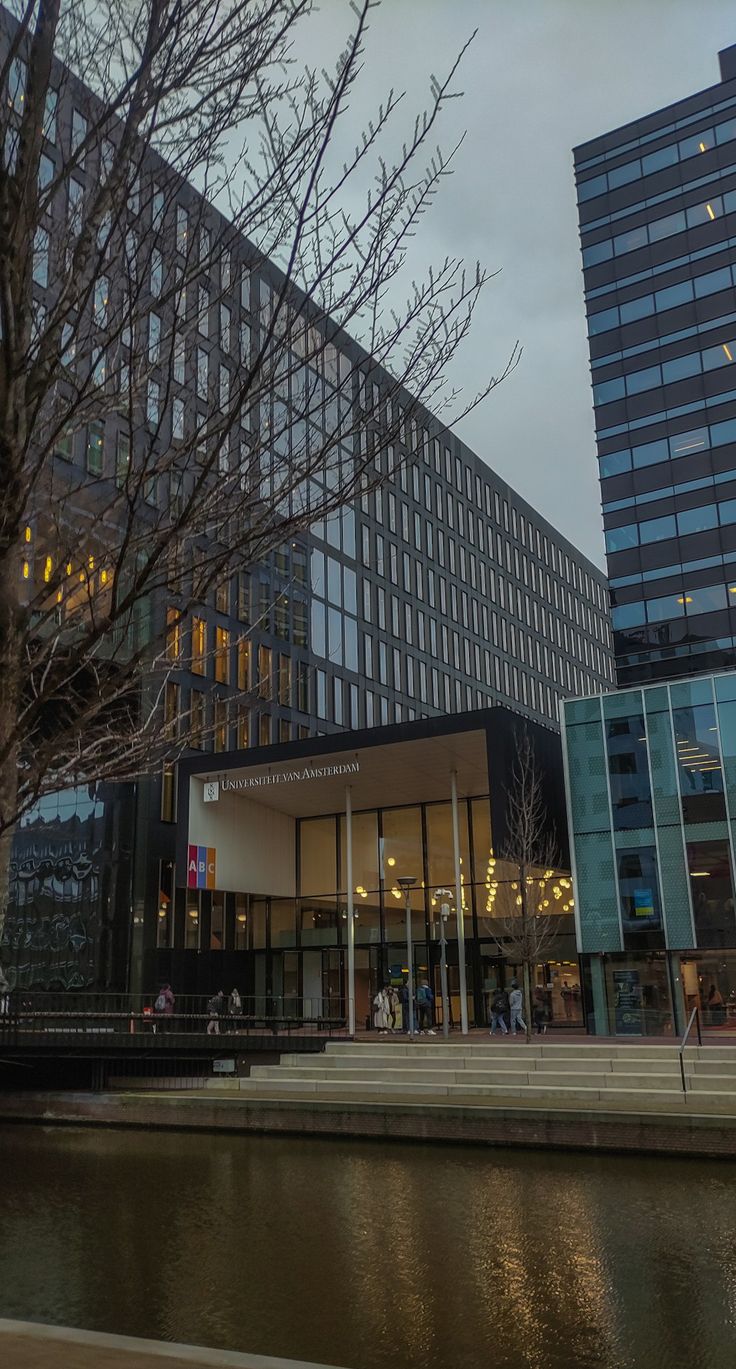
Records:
x=418, y=842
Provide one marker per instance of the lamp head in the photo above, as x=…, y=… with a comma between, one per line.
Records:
x=406, y=882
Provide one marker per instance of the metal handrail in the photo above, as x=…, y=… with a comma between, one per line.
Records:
x=694, y=1017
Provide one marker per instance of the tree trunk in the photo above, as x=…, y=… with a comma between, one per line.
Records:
x=527, y=1000
x=10, y=694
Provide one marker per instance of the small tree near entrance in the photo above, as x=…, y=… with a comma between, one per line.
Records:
x=526, y=933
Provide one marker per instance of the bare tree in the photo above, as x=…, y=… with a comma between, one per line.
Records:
x=141, y=467
x=527, y=921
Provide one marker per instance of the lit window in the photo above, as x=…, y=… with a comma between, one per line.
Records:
x=199, y=646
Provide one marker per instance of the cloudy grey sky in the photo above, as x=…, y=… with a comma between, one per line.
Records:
x=541, y=77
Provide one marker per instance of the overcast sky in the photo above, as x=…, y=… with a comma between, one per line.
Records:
x=541, y=77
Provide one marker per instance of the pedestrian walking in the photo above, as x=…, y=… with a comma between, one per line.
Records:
x=540, y=1011
x=235, y=1005
x=499, y=1009
x=393, y=1007
x=425, y=1003
x=516, y=1001
x=215, y=1008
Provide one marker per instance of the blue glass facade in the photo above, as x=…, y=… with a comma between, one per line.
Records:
x=651, y=802
x=657, y=213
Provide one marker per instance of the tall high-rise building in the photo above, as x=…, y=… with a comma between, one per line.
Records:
x=657, y=209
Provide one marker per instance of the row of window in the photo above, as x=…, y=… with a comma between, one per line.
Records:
x=688, y=604
x=680, y=567
x=699, y=117
x=694, y=145
x=667, y=373
x=670, y=297
x=671, y=525
x=722, y=247
x=656, y=229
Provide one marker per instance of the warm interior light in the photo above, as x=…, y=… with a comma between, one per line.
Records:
x=47, y=569
x=241, y=917
x=702, y=147
x=28, y=534
x=391, y=860
x=193, y=912
x=26, y=570
x=727, y=350
x=711, y=211
x=685, y=599
x=103, y=577
x=699, y=874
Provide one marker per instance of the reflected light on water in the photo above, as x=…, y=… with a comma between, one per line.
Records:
x=373, y=1255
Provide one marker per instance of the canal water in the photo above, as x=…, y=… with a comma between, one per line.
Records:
x=372, y=1255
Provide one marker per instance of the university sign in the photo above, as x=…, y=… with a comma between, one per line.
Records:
x=306, y=772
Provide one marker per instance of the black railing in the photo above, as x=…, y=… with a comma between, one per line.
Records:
x=128, y=1020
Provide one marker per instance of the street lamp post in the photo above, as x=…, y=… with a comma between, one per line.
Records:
x=444, y=895
x=406, y=884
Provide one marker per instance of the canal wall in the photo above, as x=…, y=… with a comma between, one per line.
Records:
x=566, y=1126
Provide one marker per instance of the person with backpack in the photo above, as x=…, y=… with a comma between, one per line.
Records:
x=214, y=1008
x=499, y=1009
x=164, y=1005
x=425, y=1002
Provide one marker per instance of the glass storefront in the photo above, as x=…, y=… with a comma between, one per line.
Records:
x=290, y=955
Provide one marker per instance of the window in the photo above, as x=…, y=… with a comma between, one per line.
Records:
x=638, y=889
x=697, y=520
x=699, y=763
x=177, y=419
x=264, y=672
x=199, y=646
x=41, y=257
x=222, y=655
x=196, y=718
x=173, y=634
x=711, y=889
x=79, y=130
x=628, y=771
x=95, y=441
x=182, y=228
x=152, y=402
x=168, y=794
x=122, y=457
x=220, y=724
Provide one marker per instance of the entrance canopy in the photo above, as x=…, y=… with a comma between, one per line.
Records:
x=242, y=807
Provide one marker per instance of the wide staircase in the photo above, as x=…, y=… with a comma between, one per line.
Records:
x=633, y=1077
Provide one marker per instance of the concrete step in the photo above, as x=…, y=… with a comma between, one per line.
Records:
x=442, y=1078
x=706, y=1067
x=370, y=1090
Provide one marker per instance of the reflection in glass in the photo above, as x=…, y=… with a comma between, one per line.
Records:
x=712, y=892
x=628, y=771
x=317, y=856
x=641, y=911
x=699, y=763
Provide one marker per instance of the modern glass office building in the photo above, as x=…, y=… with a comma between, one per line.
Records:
x=439, y=590
x=657, y=211
x=651, y=781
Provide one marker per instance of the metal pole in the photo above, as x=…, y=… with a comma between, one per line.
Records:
x=409, y=959
x=444, y=914
x=459, y=910
x=351, y=909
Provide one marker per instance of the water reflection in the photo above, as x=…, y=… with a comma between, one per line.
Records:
x=370, y=1256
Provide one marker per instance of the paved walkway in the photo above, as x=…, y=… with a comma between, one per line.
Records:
x=25, y=1345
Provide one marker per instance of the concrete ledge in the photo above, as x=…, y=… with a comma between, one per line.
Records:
x=564, y=1125
x=29, y=1345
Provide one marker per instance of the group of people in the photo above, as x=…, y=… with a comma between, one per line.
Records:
x=388, y=1001
x=507, y=1009
x=218, y=1006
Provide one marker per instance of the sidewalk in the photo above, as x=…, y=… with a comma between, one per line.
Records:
x=27, y=1345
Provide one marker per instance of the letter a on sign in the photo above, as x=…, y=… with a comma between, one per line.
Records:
x=201, y=868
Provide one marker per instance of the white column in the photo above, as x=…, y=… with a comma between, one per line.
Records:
x=459, y=910
x=351, y=908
